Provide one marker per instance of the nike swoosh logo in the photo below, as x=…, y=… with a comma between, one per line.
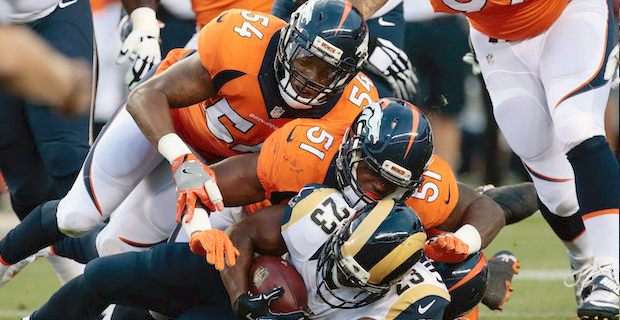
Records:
x=63, y=5
x=448, y=200
x=385, y=23
x=422, y=310
x=289, y=139
x=185, y=171
x=219, y=19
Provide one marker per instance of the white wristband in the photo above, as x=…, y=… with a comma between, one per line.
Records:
x=199, y=222
x=144, y=18
x=171, y=147
x=470, y=235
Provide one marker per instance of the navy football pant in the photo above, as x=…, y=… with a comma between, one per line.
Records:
x=169, y=279
x=40, y=151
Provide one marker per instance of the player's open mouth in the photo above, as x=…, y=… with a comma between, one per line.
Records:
x=372, y=195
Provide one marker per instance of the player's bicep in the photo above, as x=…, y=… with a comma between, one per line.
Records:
x=184, y=83
x=455, y=220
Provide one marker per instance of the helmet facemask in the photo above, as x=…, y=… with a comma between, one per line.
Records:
x=343, y=279
x=337, y=54
x=371, y=252
x=294, y=47
x=350, y=155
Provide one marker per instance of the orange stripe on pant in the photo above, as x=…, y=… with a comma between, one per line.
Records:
x=599, y=213
x=598, y=70
x=471, y=274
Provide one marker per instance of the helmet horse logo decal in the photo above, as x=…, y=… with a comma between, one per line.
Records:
x=305, y=16
x=370, y=118
x=362, y=50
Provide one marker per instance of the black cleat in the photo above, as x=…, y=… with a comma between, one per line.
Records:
x=502, y=267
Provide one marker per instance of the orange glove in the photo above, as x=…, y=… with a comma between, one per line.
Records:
x=214, y=244
x=446, y=248
x=195, y=180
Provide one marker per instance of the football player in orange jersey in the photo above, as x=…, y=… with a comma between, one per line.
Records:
x=141, y=44
x=305, y=152
x=250, y=75
x=544, y=64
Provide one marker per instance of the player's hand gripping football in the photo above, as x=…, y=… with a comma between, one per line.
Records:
x=256, y=307
x=394, y=66
x=140, y=36
x=446, y=248
x=195, y=181
x=216, y=246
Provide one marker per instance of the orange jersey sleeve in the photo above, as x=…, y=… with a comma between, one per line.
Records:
x=207, y=10
x=233, y=41
x=501, y=19
x=359, y=93
x=171, y=58
x=436, y=198
x=298, y=154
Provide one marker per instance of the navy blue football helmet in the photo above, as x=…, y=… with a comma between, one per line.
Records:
x=467, y=283
x=327, y=36
x=368, y=254
x=396, y=141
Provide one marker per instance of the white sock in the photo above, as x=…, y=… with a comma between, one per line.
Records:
x=579, y=251
x=604, y=236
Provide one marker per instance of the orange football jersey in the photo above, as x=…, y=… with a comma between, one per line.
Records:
x=206, y=10
x=238, y=49
x=506, y=19
x=304, y=150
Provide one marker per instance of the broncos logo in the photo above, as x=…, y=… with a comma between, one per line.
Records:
x=305, y=16
x=370, y=119
x=362, y=50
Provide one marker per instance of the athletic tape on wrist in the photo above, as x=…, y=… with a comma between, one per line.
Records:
x=470, y=235
x=199, y=222
x=171, y=147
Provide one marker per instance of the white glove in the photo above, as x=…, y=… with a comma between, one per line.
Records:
x=141, y=45
x=394, y=66
x=611, y=69
x=470, y=58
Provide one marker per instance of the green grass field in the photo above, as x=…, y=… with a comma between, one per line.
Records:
x=539, y=292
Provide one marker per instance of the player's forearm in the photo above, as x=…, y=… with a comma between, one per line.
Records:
x=487, y=217
x=130, y=5
x=235, y=278
x=238, y=180
x=150, y=109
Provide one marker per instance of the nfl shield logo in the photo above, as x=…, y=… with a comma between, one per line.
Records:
x=490, y=59
x=276, y=112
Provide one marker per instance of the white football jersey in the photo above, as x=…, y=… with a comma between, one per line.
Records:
x=310, y=219
x=5, y=11
x=24, y=11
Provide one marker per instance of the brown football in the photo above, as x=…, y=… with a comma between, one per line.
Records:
x=268, y=272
